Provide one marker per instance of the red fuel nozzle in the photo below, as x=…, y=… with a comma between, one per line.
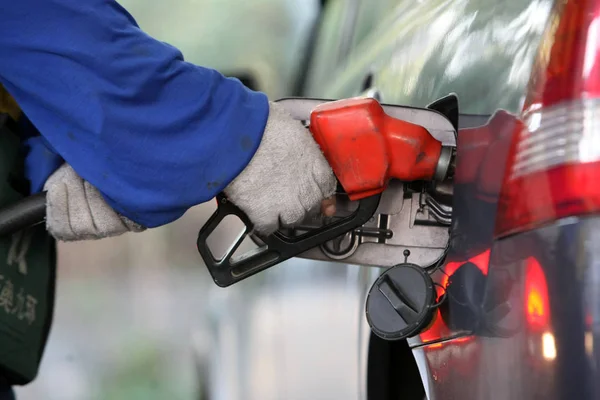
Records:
x=366, y=148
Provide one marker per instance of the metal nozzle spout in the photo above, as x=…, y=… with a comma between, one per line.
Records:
x=445, y=166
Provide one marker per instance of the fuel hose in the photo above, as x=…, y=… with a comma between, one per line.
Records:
x=22, y=214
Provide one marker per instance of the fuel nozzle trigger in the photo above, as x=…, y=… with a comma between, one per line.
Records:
x=274, y=248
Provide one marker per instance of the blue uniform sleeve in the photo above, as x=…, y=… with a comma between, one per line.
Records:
x=155, y=134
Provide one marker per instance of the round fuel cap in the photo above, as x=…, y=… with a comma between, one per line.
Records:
x=401, y=302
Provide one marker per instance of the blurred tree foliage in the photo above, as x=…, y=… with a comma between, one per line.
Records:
x=142, y=373
x=265, y=38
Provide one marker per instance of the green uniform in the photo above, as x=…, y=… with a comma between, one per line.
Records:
x=27, y=267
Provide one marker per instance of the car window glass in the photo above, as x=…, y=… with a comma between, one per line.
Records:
x=330, y=36
x=370, y=14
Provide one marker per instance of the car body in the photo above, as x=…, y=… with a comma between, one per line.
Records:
x=520, y=312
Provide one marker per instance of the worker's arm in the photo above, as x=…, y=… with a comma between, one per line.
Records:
x=155, y=134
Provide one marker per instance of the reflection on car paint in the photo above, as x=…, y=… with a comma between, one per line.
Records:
x=481, y=50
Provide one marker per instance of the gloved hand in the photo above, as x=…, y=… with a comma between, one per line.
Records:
x=75, y=210
x=287, y=179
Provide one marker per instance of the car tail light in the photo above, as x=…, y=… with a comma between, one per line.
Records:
x=537, y=306
x=553, y=166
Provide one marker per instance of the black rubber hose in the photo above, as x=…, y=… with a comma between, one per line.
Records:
x=22, y=214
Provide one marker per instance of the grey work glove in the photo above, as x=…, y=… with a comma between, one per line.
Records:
x=75, y=210
x=287, y=179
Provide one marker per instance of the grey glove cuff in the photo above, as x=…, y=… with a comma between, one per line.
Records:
x=75, y=210
x=287, y=178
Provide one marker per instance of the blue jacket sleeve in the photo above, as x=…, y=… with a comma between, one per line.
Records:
x=155, y=134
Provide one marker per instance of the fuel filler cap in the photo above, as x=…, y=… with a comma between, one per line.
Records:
x=401, y=302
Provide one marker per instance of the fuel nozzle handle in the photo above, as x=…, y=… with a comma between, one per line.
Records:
x=366, y=147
